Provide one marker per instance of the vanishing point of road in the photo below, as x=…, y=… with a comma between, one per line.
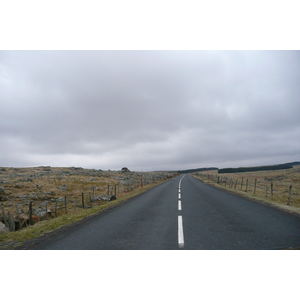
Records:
x=185, y=214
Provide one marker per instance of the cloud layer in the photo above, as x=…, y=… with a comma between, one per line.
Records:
x=149, y=110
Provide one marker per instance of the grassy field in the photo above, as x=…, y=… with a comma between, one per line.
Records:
x=42, y=186
x=272, y=187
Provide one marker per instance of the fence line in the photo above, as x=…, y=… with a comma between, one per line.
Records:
x=53, y=208
x=265, y=188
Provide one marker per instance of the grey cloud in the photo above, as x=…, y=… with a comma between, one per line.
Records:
x=149, y=109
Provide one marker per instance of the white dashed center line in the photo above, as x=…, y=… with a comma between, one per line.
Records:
x=180, y=223
x=180, y=233
x=179, y=205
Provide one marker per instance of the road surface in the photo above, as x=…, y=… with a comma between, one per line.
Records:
x=183, y=214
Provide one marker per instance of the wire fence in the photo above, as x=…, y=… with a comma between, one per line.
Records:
x=28, y=212
x=269, y=188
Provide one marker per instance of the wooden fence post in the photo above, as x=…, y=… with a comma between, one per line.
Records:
x=90, y=197
x=66, y=210
x=255, y=185
x=290, y=192
x=242, y=183
x=271, y=190
x=19, y=218
x=55, y=207
x=46, y=209
x=30, y=213
x=82, y=196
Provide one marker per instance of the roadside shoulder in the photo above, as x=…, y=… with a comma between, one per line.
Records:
x=286, y=208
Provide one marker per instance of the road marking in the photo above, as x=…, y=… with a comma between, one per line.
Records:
x=179, y=205
x=181, y=180
x=180, y=225
x=180, y=233
x=179, y=187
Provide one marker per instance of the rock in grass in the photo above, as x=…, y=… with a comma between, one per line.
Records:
x=11, y=223
x=108, y=197
x=63, y=187
x=3, y=228
x=103, y=197
x=41, y=212
x=60, y=199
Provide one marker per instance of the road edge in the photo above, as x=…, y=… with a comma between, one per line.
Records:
x=282, y=207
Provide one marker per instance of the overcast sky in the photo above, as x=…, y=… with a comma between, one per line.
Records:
x=149, y=110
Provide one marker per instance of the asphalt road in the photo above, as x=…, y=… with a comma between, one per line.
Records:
x=183, y=213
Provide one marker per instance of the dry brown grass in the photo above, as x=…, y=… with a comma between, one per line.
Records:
x=40, y=189
x=281, y=180
x=11, y=240
x=44, y=185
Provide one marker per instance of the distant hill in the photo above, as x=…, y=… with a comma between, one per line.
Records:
x=240, y=169
x=259, y=168
x=295, y=163
x=196, y=170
